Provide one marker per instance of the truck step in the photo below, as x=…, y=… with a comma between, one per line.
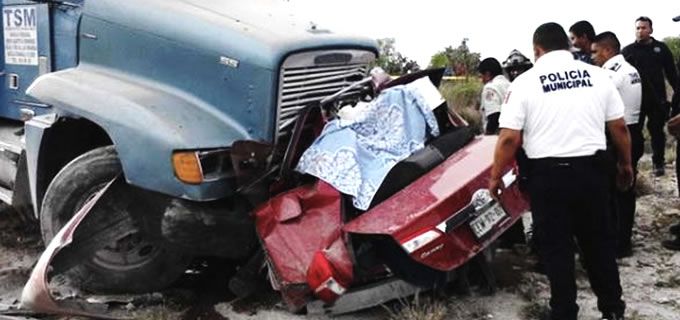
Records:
x=8, y=168
x=11, y=136
x=11, y=147
x=6, y=195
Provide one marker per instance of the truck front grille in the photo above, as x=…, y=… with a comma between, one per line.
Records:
x=304, y=80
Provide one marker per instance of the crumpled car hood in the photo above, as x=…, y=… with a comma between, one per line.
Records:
x=36, y=294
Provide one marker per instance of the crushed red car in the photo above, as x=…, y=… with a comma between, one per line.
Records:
x=431, y=214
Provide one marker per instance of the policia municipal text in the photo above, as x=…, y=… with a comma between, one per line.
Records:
x=563, y=133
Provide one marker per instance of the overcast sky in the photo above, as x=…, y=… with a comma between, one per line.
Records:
x=493, y=27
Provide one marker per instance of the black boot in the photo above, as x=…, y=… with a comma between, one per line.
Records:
x=612, y=316
x=672, y=244
x=675, y=229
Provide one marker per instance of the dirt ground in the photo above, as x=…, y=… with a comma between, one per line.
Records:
x=19, y=249
x=650, y=278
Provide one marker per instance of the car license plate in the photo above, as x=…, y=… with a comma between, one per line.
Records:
x=483, y=223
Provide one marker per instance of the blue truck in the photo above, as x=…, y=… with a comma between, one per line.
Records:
x=193, y=102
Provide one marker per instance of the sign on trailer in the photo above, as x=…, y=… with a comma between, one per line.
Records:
x=21, y=35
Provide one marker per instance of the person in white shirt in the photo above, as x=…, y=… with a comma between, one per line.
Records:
x=493, y=92
x=606, y=53
x=558, y=111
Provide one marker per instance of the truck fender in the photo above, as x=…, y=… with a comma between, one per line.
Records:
x=145, y=120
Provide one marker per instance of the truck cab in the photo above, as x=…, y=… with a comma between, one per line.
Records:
x=184, y=99
x=27, y=43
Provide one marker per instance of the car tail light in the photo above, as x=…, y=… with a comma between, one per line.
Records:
x=420, y=240
x=326, y=283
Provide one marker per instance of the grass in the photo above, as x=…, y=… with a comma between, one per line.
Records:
x=463, y=97
x=419, y=309
x=535, y=310
x=439, y=309
x=463, y=93
x=473, y=118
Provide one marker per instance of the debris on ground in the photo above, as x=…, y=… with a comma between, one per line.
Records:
x=650, y=279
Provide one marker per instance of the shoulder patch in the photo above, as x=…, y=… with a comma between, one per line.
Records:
x=489, y=95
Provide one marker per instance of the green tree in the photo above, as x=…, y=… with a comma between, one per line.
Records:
x=392, y=61
x=673, y=43
x=439, y=60
x=462, y=61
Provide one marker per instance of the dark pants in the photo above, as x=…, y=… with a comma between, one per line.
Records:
x=570, y=197
x=657, y=118
x=625, y=200
x=637, y=142
x=492, y=123
x=676, y=111
x=677, y=164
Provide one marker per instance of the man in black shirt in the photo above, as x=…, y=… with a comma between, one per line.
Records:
x=673, y=130
x=653, y=60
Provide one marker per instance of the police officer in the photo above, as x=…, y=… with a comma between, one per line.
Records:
x=653, y=60
x=672, y=124
x=558, y=111
x=605, y=51
x=493, y=92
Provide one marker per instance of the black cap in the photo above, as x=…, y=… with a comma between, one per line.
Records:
x=676, y=19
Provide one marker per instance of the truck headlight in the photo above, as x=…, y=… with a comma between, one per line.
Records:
x=198, y=166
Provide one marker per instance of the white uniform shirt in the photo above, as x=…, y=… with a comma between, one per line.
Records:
x=493, y=94
x=562, y=105
x=627, y=81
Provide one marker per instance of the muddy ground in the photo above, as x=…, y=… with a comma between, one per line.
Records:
x=651, y=279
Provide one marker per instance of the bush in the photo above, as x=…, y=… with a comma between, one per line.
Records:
x=462, y=96
x=462, y=93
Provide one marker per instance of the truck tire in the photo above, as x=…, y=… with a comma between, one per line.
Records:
x=134, y=263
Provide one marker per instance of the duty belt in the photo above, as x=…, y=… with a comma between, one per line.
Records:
x=565, y=162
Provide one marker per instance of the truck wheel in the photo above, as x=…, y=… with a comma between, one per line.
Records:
x=135, y=262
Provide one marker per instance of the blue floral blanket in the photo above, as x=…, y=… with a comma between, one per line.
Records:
x=354, y=156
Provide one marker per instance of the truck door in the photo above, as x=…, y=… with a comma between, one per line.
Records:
x=27, y=55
